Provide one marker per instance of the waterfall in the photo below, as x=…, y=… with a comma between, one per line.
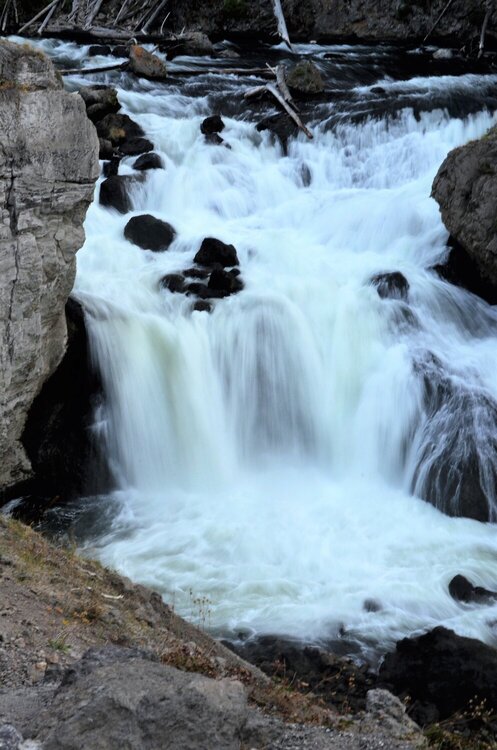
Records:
x=276, y=454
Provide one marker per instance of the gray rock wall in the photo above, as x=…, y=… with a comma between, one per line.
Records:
x=48, y=167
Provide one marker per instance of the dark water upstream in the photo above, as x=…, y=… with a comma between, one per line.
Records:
x=272, y=457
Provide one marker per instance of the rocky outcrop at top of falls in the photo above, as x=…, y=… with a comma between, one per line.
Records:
x=466, y=190
x=48, y=167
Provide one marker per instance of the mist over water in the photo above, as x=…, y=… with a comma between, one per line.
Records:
x=272, y=456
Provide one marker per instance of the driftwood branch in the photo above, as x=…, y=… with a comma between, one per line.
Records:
x=154, y=15
x=86, y=71
x=481, y=48
x=93, y=13
x=280, y=20
x=442, y=14
x=48, y=17
x=270, y=88
x=39, y=15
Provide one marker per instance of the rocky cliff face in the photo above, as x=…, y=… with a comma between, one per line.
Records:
x=363, y=19
x=48, y=166
x=466, y=190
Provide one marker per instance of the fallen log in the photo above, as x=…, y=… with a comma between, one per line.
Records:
x=48, y=17
x=87, y=71
x=271, y=89
x=39, y=15
x=92, y=14
x=153, y=16
x=280, y=20
x=442, y=14
x=481, y=48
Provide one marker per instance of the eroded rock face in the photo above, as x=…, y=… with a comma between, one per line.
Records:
x=466, y=191
x=49, y=163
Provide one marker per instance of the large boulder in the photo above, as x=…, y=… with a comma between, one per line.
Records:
x=145, y=64
x=442, y=672
x=305, y=79
x=149, y=233
x=193, y=44
x=213, y=251
x=99, y=101
x=49, y=165
x=466, y=191
x=118, y=128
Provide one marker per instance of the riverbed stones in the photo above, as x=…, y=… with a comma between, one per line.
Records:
x=99, y=101
x=145, y=64
x=213, y=251
x=136, y=146
x=212, y=124
x=149, y=233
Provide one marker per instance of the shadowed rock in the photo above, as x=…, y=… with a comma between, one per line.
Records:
x=148, y=161
x=214, y=251
x=149, y=233
x=463, y=590
x=114, y=193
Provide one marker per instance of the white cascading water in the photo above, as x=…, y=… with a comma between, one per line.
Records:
x=265, y=453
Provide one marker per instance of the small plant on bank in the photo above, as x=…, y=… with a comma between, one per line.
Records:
x=59, y=643
x=473, y=729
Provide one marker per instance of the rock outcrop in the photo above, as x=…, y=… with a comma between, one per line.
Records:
x=49, y=163
x=466, y=190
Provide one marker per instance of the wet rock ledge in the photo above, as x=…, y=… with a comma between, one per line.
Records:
x=48, y=167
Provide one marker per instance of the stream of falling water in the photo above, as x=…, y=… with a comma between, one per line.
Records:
x=272, y=456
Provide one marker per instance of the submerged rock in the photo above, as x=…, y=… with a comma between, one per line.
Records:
x=136, y=146
x=114, y=193
x=305, y=79
x=149, y=233
x=175, y=282
x=391, y=285
x=442, y=672
x=148, y=161
x=214, y=251
x=212, y=124
x=280, y=126
x=145, y=64
x=99, y=49
x=463, y=590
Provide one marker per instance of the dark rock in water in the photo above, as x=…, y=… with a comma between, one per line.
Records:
x=135, y=146
x=462, y=422
x=57, y=436
x=443, y=672
x=99, y=49
x=215, y=140
x=338, y=681
x=114, y=193
x=193, y=44
x=202, y=306
x=212, y=124
x=175, y=282
x=465, y=189
x=149, y=233
x=99, y=101
x=196, y=273
x=280, y=126
x=460, y=269
x=118, y=128
x=371, y=605
x=145, y=64
x=112, y=167
x=225, y=282
x=106, y=150
x=120, y=50
x=305, y=79
x=378, y=90
x=148, y=161
x=463, y=590
x=391, y=285
x=214, y=251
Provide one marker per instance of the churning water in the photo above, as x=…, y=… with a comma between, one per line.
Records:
x=272, y=456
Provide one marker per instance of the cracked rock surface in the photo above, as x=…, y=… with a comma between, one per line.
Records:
x=48, y=167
